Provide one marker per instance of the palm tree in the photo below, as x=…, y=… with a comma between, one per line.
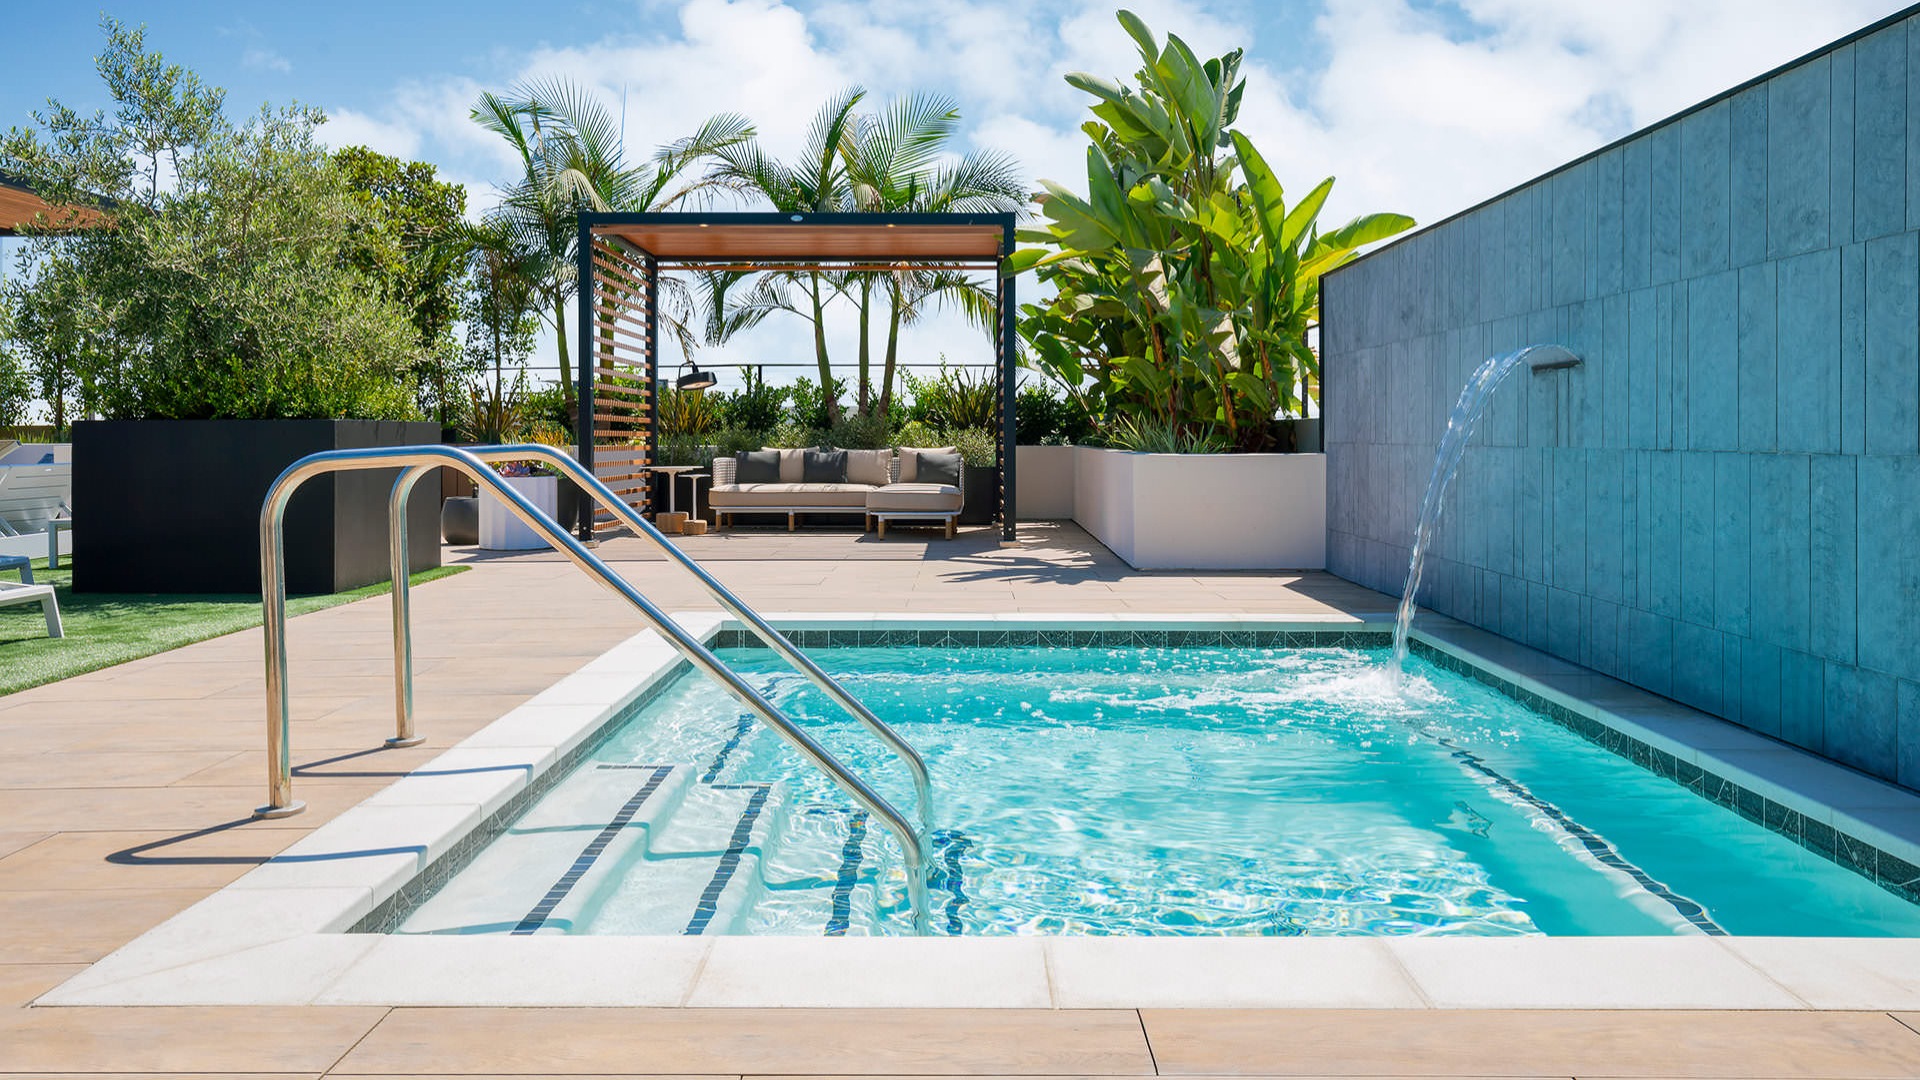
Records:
x=816, y=183
x=890, y=162
x=572, y=160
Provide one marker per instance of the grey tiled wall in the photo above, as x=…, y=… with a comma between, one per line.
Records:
x=1723, y=503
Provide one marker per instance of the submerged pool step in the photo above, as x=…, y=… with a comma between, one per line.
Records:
x=532, y=877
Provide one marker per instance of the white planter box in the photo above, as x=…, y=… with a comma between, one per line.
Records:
x=1205, y=511
x=501, y=529
x=1044, y=488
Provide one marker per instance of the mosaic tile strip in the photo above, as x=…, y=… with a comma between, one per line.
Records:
x=709, y=904
x=1889, y=871
x=537, y=918
x=386, y=916
x=1065, y=638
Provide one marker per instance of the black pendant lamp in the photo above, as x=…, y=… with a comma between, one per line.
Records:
x=695, y=379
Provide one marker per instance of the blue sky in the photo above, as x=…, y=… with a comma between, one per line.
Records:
x=1420, y=106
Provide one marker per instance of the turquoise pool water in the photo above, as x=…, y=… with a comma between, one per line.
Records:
x=1142, y=791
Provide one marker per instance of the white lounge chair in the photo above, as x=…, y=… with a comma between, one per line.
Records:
x=31, y=495
x=11, y=594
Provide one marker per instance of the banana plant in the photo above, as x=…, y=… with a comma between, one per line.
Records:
x=1185, y=285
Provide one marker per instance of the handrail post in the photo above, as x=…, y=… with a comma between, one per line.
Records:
x=273, y=620
x=400, y=564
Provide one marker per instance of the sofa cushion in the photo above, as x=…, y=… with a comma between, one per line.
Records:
x=938, y=469
x=910, y=460
x=824, y=467
x=824, y=496
x=869, y=467
x=914, y=499
x=793, y=465
x=756, y=467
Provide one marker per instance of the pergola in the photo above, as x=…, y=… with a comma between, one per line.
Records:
x=621, y=258
x=18, y=205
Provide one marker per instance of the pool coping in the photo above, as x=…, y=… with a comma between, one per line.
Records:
x=276, y=935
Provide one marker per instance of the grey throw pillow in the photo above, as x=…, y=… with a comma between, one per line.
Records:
x=938, y=469
x=756, y=467
x=824, y=467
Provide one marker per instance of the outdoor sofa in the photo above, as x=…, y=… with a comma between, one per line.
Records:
x=877, y=484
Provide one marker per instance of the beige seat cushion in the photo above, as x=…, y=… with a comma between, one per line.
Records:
x=743, y=496
x=869, y=467
x=914, y=499
x=793, y=464
x=910, y=460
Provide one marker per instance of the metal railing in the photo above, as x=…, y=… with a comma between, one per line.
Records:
x=416, y=462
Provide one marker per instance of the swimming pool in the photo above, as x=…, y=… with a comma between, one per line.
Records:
x=1099, y=789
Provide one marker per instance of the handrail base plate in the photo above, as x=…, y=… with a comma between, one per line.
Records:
x=267, y=812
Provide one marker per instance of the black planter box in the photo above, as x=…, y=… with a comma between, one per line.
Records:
x=173, y=506
x=979, y=495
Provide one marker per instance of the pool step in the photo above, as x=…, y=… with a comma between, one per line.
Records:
x=697, y=873
x=539, y=871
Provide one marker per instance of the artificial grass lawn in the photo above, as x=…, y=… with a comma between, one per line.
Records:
x=104, y=629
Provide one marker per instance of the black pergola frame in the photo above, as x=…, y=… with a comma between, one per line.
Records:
x=874, y=254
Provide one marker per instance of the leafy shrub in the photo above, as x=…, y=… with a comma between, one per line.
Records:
x=793, y=436
x=916, y=433
x=954, y=399
x=687, y=412
x=856, y=432
x=976, y=446
x=812, y=407
x=755, y=406
x=1040, y=419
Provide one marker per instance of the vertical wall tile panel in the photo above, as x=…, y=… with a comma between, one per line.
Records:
x=1615, y=400
x=1663, y=203
x=1706, y=163
x=1851, y=371
x=1636, y=217
x=1713, y=362
x=1604, y=646
x=1697, y=666
x=1779, y=545
x=1566, y=624
x=1663, y=556
x=1840, y=149
x=1832, y=557
x=1913, y=124
x=1893, y=345
x=1572, y=205
x=1862, y=719
x=1880, y=134
x=1808, y=409
x=1799, y=113
x=1888, y=565
x=1604, y=530
x=1568, y=523
x=1747, y=220
x=1758, y=378
x=1643, y=318
x=1698, y=523
x=1803, y=702
x=1731, y=537
x=1650, y=647
x=1760, y=686
x=1677, y=374
x=1609, y=224
x=1907, y=742
x=1663, y=400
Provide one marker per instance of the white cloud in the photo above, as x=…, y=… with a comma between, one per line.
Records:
x=1414, y=108
x=262, y=59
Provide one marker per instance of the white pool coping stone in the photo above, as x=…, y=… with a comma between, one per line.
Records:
x=277, y=935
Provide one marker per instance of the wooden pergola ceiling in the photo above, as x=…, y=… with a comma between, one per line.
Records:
x=829, y=239
x=18, y=205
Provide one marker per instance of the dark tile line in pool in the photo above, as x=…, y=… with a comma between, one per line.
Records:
x=709, y=904
x=1881, y=867
x=386, y=916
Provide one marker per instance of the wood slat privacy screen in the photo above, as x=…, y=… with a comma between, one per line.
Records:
x=623, y=375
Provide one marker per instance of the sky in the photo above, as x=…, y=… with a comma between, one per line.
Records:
x=1424, y=107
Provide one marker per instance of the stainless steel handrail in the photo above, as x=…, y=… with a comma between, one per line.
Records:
x=416, y=461
x=774, y=639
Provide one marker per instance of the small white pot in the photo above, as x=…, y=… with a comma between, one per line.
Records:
x=501, y=529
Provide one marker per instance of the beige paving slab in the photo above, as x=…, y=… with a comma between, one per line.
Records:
x=140, y=860
x=96, y=769
x=80, y=926
x=170, y=808
x=21, y=983
x=11, y=842
x=176, y=1076
x=1623, y=1043
x=944, y=1042
x=179, y=1040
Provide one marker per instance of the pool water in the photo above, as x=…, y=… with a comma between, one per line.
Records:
x=1141, y=791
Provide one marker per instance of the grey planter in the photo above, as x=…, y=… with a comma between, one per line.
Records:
x=979, y=492
x=460, y=520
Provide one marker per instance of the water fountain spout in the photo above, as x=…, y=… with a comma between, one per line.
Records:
x=1453, y=447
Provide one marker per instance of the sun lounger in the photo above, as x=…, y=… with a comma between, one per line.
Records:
x=11, y=594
